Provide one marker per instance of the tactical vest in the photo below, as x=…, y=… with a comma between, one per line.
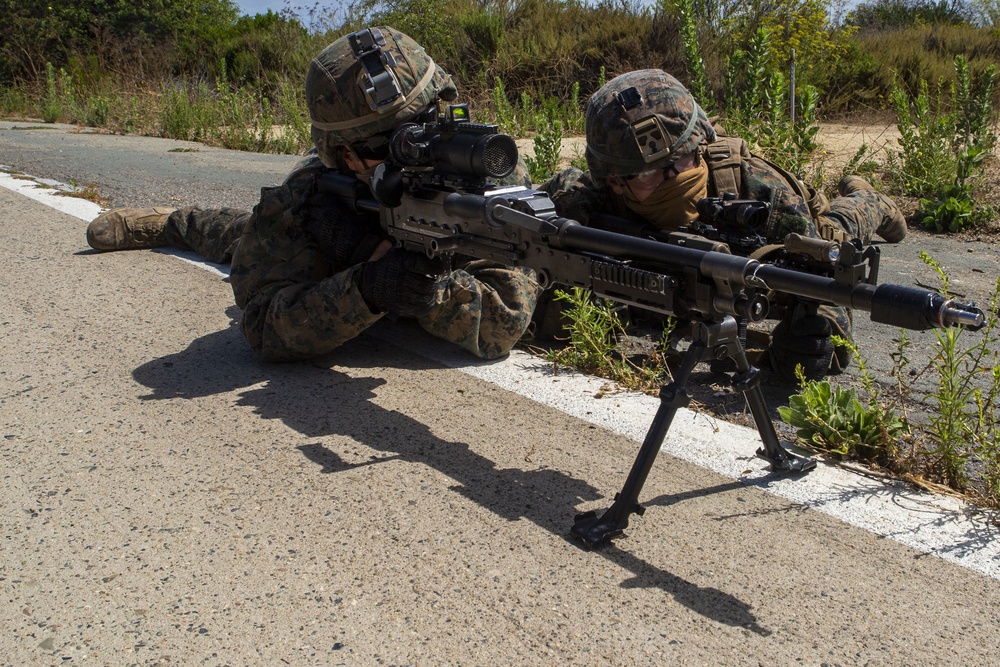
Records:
x=724, y=158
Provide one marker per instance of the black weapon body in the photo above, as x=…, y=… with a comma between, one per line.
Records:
x=438, y=210
x=724, y=223
x=519, y=226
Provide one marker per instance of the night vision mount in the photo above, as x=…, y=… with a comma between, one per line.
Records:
x=380, y=85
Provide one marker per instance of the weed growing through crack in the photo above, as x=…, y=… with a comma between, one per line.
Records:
x=597, y=340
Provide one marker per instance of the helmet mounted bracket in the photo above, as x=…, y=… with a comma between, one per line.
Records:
x=378, y=82
x=654, y=141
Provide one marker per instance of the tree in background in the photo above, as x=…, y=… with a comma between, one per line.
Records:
x=986, y=13
x=802, y=26
x=97, y=32
x=883, y=15
x=149, y=39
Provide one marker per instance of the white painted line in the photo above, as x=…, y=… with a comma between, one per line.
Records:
x=53, y=194
x=53, y=197
x=934, y=524
x=191, y=257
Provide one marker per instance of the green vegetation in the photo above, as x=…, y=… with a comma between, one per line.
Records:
x=699, y=86
x=833, y=419
x=196, y=70
x=597, y=343
x=757, y=106
x=957, y=444
x=944, y=142
x=545, y=162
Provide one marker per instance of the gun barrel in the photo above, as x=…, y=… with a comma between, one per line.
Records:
x=918, y=309
x=964, y=315
x=598, y=241
x=896, y=305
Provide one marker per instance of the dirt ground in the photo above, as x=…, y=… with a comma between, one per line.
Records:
x=841, y=141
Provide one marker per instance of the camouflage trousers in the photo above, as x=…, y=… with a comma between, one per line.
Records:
x=210, y=233
x=859, y=214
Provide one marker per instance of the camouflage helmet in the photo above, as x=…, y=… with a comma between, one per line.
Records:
x=642, y=121
x=368, y=83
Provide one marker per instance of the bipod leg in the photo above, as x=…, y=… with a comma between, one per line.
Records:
x=593, y=529
x=747, y=381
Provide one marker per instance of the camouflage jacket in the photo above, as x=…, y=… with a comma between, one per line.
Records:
x=576, y=195
x=297, y=304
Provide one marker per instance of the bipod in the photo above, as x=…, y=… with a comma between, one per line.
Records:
x=710, y=340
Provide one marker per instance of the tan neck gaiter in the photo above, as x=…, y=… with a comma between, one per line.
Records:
x=674, y=203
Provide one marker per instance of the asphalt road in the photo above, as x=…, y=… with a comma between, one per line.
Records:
x=167, y=499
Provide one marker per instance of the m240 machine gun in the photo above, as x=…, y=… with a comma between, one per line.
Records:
x=436, y=194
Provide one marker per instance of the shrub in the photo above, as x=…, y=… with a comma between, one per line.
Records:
x=833, y=419
x=98, y=112
x=944, y=143
x=51, y=105
x=965, y=421
x=756, y=107
x=547, y=143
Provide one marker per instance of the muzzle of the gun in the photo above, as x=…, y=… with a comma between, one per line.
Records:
x=919, y=310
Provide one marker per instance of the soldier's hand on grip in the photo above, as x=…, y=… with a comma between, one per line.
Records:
x=345, y=237
x=403, y=283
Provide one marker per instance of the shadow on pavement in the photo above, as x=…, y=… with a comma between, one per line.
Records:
x=316, y=400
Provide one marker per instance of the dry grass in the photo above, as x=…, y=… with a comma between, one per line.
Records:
x=88, y=192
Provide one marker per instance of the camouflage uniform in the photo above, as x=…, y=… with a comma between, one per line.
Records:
x=631, y=132
x=299, y=297
x=211, y=233
x=576, y=196
x=297, y=304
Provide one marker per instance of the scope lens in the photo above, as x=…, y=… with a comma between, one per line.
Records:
x=499, y=155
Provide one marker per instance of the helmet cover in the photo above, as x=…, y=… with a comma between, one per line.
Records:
x=642, y=121
x=368, y=83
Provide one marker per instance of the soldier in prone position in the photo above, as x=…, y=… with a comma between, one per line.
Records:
x=308, y=272
x=652, y=155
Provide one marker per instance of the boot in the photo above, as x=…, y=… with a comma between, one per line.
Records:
x=893, y=225
x=128, y=228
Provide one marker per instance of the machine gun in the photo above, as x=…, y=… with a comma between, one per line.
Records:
x=436, y=194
